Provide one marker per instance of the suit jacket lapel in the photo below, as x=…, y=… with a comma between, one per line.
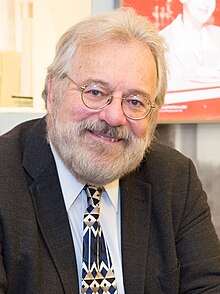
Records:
x=49, y=206
x=135, y=219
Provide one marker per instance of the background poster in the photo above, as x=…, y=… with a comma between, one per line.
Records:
x=193, y=58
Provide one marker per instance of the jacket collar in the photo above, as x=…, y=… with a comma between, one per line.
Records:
x=49, y=205
x=135, y=220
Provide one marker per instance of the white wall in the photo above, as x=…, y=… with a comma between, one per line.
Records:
x=51, y=19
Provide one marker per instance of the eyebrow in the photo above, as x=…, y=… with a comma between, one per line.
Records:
x=96, y=81
x=139, y=92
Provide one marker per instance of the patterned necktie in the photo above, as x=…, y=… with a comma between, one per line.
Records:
x=97, y=273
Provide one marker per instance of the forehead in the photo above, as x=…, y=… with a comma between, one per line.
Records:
x=115, y=61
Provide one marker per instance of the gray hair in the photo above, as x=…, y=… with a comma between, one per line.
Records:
x=123, y=24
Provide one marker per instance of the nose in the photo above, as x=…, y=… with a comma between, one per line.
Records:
x=113, y=114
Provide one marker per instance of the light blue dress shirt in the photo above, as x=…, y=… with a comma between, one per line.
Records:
x=76, y=203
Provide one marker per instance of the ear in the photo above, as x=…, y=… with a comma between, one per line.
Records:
x=50, y=97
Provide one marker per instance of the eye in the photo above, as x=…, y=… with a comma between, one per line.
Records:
x=95, y=91
x=135, y=101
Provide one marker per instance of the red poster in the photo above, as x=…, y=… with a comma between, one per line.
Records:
x=191, y=29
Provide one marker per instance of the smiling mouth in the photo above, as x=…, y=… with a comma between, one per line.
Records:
x=104, y=136
x=203, y=9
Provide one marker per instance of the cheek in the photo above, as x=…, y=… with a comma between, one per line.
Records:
x=72, y=110
x=212, y=8
x=140, y=128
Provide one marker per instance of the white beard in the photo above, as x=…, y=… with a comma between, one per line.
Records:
x=92, y=161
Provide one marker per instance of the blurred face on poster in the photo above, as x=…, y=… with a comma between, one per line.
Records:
x=199, y=11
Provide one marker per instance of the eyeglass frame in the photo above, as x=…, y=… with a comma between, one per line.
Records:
x=82, y=88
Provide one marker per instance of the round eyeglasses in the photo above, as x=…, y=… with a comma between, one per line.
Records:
x=97, y=96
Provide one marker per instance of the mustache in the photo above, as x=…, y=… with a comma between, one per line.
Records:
x=118, y=132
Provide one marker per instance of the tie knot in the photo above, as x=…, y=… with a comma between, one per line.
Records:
x=93, y=194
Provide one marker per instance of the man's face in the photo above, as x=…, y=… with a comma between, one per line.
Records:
x=199, y=10
x=99, y=146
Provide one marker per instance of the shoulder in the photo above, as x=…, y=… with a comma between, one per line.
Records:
x=14, y=178
x=167, y=169
x=13, y=144
x=19, y=130
x=165, y=158
x=214, y=33
x=16, y=136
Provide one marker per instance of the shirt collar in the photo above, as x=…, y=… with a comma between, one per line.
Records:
x=71, y=187
x=112, y=190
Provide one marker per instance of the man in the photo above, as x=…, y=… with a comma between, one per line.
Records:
x=151, y=232
x=194, y=46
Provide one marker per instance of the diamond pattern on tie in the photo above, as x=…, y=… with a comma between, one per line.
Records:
x=97, y=273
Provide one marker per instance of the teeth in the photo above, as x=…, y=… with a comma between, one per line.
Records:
x=102, y=136
x=109, y=139
x=113, y=140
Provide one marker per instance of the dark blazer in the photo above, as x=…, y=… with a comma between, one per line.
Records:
x=168, y=242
